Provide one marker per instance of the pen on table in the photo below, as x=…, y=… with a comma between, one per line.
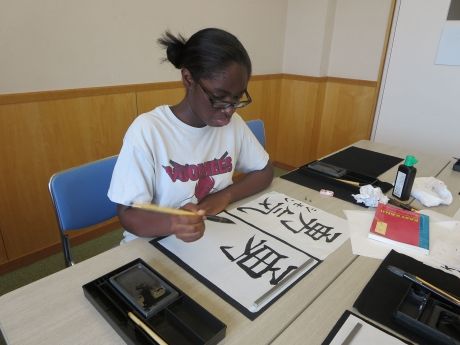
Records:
x=278, y=286
x=353, y=183
x=180, y=212
x=399, y=272
x=352, y=334
x=402, y=205
x=147, y=329
x=356, y=183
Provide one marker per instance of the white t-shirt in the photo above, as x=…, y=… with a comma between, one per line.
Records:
x=169, y=163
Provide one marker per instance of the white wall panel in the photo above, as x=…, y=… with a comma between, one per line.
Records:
x=60, y=44
x=419, y=100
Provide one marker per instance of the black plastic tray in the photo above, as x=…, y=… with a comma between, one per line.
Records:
x=183, y=321
x=431, y=317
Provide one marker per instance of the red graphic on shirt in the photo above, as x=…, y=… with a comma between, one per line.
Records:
x=202, y=173
x=203, y=187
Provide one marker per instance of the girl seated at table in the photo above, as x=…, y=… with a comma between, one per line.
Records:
x=184, y=155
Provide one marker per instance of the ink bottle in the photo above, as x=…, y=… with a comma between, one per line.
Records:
x=405, y=178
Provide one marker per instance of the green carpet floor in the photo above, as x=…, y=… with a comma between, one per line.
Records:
x=51, y=264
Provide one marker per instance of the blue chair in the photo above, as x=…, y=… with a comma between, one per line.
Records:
x=257, y=127
x=80, y=199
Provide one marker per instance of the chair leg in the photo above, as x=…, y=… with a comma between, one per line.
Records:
x=66, y=250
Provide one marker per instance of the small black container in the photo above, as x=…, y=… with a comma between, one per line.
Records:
x=405, y=179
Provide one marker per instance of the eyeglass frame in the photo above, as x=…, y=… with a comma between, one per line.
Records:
x=237, y=105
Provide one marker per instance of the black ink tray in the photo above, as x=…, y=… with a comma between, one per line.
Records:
x=431, y=317
x=180, y=321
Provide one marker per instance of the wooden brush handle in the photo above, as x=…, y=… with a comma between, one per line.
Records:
x=147, y=329
x=161, y=209
x=353, y=183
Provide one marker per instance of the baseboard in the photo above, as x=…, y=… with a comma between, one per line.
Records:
x=283, y=166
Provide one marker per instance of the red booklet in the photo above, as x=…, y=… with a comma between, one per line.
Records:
x=401, y=228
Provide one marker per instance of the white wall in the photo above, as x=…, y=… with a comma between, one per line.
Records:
x=419, y=101
x=307, y=35
x=337, y=38
x=358, y=38
x=60, y=44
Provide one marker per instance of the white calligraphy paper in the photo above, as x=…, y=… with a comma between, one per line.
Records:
x=275, y=239
x=444, y=241
x=315, y=231
x=366, y=333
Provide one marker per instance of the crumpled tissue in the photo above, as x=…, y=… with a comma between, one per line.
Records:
x=431, y=192
x=370, y=196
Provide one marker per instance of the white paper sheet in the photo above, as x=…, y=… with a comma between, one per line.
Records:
x=273, y=236
x=364, y=334
x=308, y=228
x=444, y=240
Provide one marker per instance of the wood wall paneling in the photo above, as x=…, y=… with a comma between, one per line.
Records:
x=42, y=133
x=150, y=99
x=347, y=115
x=265, y=93
x=298, y=109
x=41, y=138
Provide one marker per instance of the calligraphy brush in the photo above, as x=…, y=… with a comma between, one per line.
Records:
x=417, y=280
x=402, y=205
x=147, y=329
x=180, y=212
x=353, y=183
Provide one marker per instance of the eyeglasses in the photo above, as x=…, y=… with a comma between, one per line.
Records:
x=218, y=104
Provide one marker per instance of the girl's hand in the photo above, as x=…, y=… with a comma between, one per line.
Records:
x=188, y=228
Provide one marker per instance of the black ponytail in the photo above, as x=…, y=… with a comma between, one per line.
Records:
x=174, y=46
x=205, y=53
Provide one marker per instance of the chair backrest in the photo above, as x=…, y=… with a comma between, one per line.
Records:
x=257, y=127
x=80, y=199
x=79, y=194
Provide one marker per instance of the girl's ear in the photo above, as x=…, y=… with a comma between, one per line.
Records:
x=187, y=78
